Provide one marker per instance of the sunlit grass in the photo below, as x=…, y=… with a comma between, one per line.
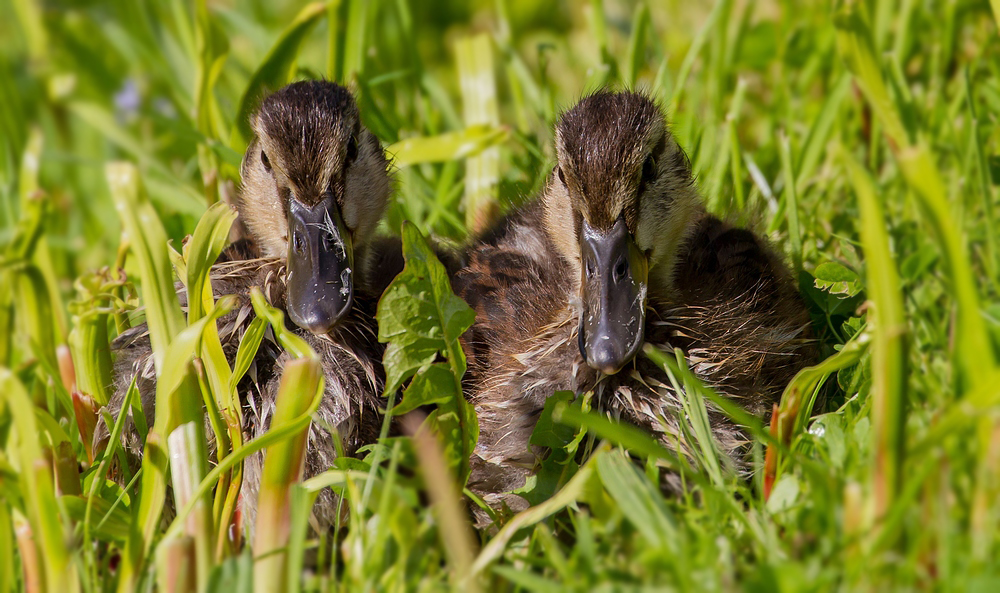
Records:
x=861, y=137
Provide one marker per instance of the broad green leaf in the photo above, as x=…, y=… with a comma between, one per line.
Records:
x=559, y=465
x=421, y=318
x=784, y=495
x=434, y=385
x=547, y=432
x=113, y=526
x=837, y=279
x=419, y=315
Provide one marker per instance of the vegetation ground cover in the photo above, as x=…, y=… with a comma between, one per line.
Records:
x=861, y=137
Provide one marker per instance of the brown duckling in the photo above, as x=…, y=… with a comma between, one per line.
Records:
x=315, y=184
x=615, y=252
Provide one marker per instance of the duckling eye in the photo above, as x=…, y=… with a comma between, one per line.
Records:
x=265, y=161
x=352, y=149
x=649, y=170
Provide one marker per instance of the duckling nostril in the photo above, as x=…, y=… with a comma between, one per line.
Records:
x=621, y=269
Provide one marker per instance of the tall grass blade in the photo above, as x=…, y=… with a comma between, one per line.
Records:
x=145, y=234
x=973, y=352
x=8, y=576
x=36, y=483
x=636, y=57
x=275, y=71
x=301, y=381
x=479, y=101
x=889, y=344
x=187, y=463
x=456, y=533
x=573, y=491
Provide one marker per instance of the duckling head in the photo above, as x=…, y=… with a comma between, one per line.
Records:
x=315, y=185
x=618, y=206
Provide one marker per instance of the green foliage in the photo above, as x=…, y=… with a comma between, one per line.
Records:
x=860, y=136
x=421, y=319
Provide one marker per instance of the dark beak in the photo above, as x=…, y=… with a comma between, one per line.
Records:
x=615, y=275
x=320, y=261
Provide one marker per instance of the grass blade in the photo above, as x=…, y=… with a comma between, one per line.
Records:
x=889, y=344
x=145, y=234
x=479, y=102
x=39, y=491
x=449, y=146
x=301, y=381
x=275, y=71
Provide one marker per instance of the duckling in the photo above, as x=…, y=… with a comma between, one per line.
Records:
x=315, y=184
x=617, y=251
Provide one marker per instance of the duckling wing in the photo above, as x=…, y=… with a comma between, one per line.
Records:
x=738, y=315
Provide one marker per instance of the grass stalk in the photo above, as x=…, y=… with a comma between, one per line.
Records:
x=889, y=345
x=474, y=56
x=456, y=533
x=301, y=380
x=48, y=541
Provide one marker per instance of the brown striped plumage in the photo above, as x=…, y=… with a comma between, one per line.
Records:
x=309, y=146
x=719, y=293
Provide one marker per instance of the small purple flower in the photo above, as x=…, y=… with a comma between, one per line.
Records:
x=127, y=100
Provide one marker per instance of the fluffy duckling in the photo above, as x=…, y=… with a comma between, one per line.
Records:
x=315, y=184
x=617, y=251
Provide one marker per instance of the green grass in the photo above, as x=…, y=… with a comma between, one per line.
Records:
x=861, y=137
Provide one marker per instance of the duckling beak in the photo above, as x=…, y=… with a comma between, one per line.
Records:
x=320, y=266
x=615, y=275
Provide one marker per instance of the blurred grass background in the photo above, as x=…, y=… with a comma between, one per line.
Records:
x=860, y=136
